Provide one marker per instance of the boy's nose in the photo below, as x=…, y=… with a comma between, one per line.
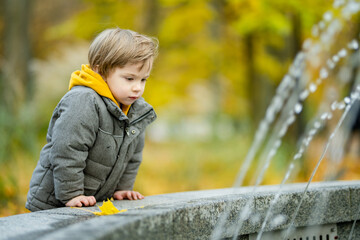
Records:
x=136, y=87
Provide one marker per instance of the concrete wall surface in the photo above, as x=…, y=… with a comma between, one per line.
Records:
x=193, y=215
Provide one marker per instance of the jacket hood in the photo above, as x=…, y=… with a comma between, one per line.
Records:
x=88, y=78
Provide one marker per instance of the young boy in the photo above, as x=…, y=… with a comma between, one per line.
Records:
x=96, y=134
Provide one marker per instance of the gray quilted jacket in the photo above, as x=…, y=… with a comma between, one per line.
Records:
x=92, y=149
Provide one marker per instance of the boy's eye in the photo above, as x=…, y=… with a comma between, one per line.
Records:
x=130, y=79
x=143, y=80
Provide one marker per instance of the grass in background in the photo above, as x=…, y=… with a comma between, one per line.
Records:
x=14, y=184
x=186, y=165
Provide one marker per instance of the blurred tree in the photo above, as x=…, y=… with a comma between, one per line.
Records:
x=44, y=16
x=2, y=13
x=16, y=84
x=271, y=32
x=150, y=21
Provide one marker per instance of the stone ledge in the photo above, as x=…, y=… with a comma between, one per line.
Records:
x=192, y=215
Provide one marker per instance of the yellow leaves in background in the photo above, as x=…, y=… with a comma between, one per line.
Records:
x=184, y=22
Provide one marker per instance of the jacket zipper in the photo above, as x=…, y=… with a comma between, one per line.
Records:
x=141, y=118
x=137, y=120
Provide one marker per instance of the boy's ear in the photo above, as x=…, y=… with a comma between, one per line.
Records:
x=96, y=68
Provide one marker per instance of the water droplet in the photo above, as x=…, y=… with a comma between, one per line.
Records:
x=307, y=44
x=291, y=167
x=312, y=132
x=277, y=103
x=317, y=124
x=298, y=108
x=282, y=131
x=323, y=116
x=315, y=31
x=347, y=100
x=335, y=58
x=338, y=3
x=301, y=150
x=291, y=119
x=287, y=175
x=324, y=73
x=354, y=44
x=325, y=37
x=270, y=115
x=342, y=53
x=334, y=27
x=330, y=63
x=354, y=95
x=304, y=94
x=296, y=72
x=327, y=16
x=272, y=153
x=297, y=156
x=321, y=25
x=312, y=87
x=255, y=218
x=329, y=116
x=263, y=125
x=284, y=84
x=341, y=105
x=351, y=8
x=277, y=144
x=334, y=105
x=245, y=213
x=278, y=220
x=306, y=142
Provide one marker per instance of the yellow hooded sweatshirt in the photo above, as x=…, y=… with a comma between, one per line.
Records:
x=87, y=77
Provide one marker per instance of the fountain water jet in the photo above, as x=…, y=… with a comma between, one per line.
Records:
x=330, y=27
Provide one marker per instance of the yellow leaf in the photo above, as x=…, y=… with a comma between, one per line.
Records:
x=107, y=208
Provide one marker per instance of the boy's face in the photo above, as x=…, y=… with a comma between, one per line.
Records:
x=127, y=83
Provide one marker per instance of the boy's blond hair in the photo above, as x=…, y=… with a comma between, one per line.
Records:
x=116, y=47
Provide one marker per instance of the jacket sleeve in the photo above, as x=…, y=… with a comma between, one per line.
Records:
x=74, y=132
x=128, y=178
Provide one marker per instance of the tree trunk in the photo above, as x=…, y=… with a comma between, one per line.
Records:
x=150, y=21
x=252, y=79
x=16, y=82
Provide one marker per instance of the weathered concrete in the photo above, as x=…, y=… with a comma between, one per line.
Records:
x=193, y=215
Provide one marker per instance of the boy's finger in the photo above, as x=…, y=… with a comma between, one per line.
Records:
x=85, y=201
x=118, y=196
x=135, y=197
x=129, y=195
x=139, y=196
x=92, y=200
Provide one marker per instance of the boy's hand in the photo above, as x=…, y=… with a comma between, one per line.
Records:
x=131, y=195
x=81, y=200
